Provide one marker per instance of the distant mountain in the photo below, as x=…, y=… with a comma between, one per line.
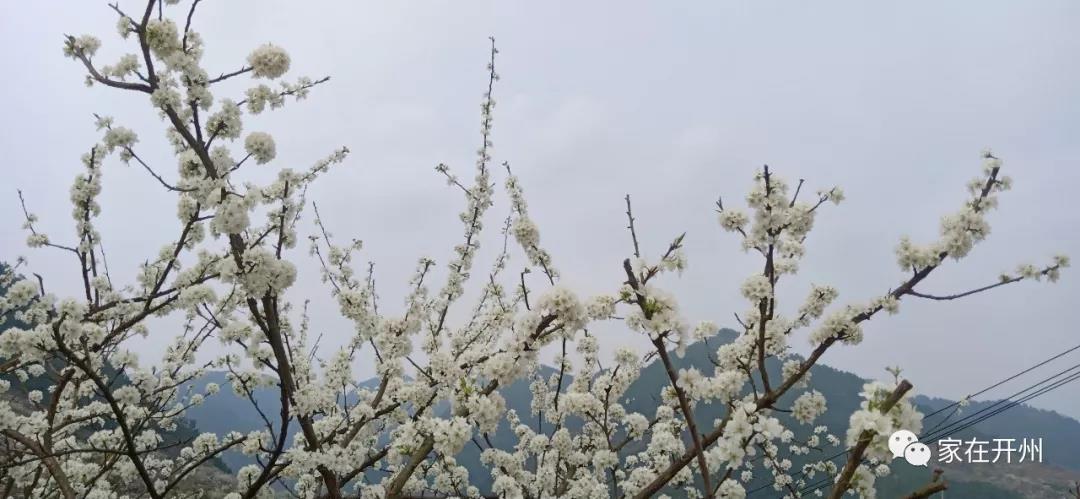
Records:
x=228, y=412
x=841, y=390
x=1060, y=434
x=1060, y=451
x=184, y=432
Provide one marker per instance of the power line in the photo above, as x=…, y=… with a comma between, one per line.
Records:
x=948, y=429
x=824, y=482
x=956, y=405
x=955, y=410
x=1006, y=380
x=1052, y=387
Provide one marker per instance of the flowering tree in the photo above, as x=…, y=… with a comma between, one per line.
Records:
x=97, y=430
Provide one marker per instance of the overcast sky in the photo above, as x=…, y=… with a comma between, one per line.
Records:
x=673, y=103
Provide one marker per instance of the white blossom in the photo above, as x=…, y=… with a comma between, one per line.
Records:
x=444, y=358
x=260, y=145
x=268, y=61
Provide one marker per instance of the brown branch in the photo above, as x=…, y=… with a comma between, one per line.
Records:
x=855, y=457
x=633, y=233
x=226, y=76
x=296, y=90
x=100, y=78
x=988, y=287
x=30, y=225
x=50, y=462
x=798, y=189
x=936, y=485
x=187, y=25
x=121, y=418
x=684, y=403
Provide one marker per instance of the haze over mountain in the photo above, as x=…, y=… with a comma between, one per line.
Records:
x=1061, y=434
x=226, y=411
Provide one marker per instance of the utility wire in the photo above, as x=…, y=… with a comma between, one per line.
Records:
x=1007, y=400
x=824, y=482
x=1006, y=380
x=956, y=405
x=1057, y=384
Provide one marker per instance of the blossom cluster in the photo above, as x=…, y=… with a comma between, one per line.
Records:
x=104, y=426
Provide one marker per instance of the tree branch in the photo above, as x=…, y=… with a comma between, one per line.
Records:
x=843, y=483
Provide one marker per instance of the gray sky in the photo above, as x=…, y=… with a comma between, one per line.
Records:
x=672, y=103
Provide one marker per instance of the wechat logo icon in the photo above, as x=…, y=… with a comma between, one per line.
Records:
x=905, y=444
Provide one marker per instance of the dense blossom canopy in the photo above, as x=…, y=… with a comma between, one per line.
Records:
x=100, y=428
